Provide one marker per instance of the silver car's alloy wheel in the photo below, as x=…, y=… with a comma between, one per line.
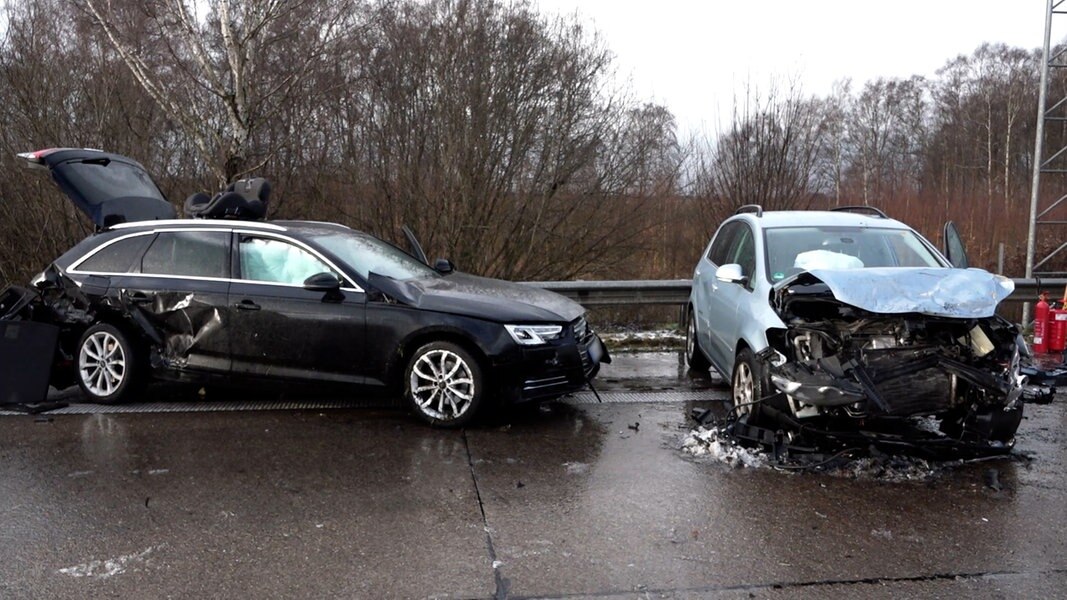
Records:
x=691, y=336
x=693, y=356
x=102, y=364
x=743, y=388
x=442, y=385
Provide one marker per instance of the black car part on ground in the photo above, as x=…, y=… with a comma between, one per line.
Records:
x=32, y=329
x=27, y=349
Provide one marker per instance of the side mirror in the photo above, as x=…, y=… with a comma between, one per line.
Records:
x=955, y=251
x=443, y=266
x=322, y=282
x=731, y=273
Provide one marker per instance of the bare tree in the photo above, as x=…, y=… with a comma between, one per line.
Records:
x=494, y=132
x=223, y=69
x=886, y=129
x=770, y=154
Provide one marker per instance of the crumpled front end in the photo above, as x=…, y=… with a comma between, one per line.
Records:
x=841, y=367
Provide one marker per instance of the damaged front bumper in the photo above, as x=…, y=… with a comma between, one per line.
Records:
x=837, y=383
x=552, y=371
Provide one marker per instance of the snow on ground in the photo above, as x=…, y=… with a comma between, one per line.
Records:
x=654, y=339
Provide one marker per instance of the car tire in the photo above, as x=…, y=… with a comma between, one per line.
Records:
x=694, y=357
x=110, y=366
x=444, y=384
x=747, y=385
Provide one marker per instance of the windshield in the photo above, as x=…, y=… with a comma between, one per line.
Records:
x=791, y=250
x=366, y=254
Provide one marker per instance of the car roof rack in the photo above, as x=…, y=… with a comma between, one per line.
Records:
x=868, y=210
x=750, y=208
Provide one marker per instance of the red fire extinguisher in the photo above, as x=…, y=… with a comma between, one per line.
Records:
x=1041, y=324
x=1057, y=331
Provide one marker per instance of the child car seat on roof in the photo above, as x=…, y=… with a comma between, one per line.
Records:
x=244, y=199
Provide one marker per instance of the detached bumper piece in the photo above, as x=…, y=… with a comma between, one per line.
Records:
x=27, y=351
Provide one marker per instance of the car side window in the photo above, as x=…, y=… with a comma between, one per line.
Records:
x=743, y=251
x=907, y=250
x=276, y=261
x=189, y=254
x=720, y=248
x=119, y=257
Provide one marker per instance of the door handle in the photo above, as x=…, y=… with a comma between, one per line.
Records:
x=246, y=305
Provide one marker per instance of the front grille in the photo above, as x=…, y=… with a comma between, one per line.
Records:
x=581, y=330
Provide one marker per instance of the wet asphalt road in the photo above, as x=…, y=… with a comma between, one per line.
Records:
x=566, y=501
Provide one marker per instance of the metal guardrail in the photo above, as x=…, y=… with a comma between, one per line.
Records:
x=676, y=291
x=621, y=293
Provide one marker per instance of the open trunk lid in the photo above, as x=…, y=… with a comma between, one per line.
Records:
x=108, y=188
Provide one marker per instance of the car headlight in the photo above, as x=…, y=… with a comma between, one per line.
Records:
x=534, y=335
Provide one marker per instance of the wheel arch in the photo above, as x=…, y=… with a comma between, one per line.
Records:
x=409, y=346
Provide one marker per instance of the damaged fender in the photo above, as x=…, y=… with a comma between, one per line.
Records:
x=178, y=328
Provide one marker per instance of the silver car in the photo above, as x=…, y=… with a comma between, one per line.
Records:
x=844, y=318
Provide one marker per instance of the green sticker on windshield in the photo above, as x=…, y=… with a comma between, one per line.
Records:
x=778, y=275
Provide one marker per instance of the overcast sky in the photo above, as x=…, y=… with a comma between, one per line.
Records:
x=694, y=55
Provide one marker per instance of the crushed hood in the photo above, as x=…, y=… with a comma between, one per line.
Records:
x=481, y=297
x=958, y=293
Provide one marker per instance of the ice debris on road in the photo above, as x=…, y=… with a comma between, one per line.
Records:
x=712, y=442
x=102, y=569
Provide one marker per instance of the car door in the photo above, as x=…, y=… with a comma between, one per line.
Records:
x=175, y=284
x=955, y=250
x=280, y=329
x=724, y=298
x=703, y=279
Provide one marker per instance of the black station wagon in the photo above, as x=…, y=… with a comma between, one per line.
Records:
x=219, y=299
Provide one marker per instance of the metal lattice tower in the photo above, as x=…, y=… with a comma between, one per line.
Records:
x=1043, y=221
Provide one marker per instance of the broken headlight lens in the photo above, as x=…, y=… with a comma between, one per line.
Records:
x=534, y=335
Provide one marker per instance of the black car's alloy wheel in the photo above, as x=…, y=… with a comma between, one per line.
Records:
x=109, y=367
x=444, y=384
